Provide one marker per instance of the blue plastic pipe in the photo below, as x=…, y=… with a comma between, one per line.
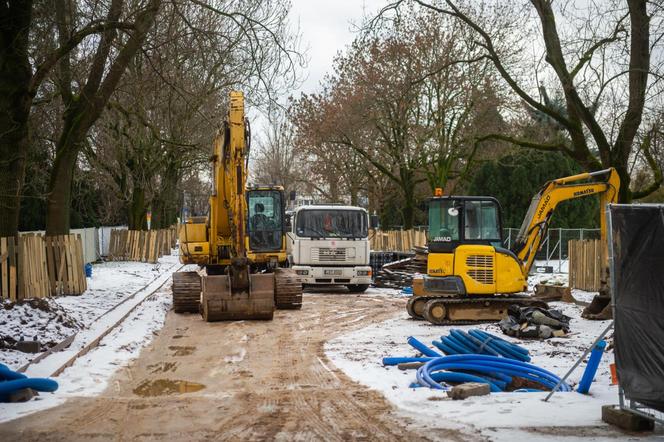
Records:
x=491, y=365
x=11, y=381
x=396, y=360
x=426, y=351
x=591, y=368
x=449, y=376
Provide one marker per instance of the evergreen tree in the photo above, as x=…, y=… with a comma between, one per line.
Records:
x=517, y=176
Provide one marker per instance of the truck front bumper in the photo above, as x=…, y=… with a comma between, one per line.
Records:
x=333, y=275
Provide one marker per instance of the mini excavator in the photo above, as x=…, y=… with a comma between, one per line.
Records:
x=241, y=245
x=469, y=274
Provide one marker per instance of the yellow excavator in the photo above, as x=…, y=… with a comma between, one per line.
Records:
x=469, y=274
x=241, y=245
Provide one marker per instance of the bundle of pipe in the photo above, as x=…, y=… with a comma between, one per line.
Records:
x=12, y=381
x=493, y=370
x=497, y=369
x=476, y=341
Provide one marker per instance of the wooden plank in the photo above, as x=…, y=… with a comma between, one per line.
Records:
x=19, y=270
x=4, y=273
x=69, y=266
x=62, y=265
x=83, y=282
x=75, y=271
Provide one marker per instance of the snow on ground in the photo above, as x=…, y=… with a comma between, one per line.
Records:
x=500, y=416
x=51, y=320
x=90, y=374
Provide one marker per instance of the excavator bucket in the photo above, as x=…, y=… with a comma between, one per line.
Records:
x=219, y=302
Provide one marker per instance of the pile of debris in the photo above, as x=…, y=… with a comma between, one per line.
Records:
x=399, y=274
x=34, y=325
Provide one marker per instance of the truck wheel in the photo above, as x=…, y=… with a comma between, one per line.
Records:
x=357, y=288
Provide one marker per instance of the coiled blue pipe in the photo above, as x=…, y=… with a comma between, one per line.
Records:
x=450, y=376
x=491, y=365
x=11, y=381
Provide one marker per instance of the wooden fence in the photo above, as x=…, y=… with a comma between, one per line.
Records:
x=585, y=264
x=397, y=240
x=36, y=266
x=141, y=245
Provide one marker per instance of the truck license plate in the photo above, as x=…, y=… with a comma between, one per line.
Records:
x=333, y=272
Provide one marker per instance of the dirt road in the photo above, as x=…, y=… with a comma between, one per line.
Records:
x=244, y=380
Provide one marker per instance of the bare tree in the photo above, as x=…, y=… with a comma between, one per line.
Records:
x=597, y=54
x=408, y=99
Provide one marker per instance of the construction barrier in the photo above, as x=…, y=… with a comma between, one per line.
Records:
x=35, y=266
x=397, y=240
x=585, y=264
x=141, y=245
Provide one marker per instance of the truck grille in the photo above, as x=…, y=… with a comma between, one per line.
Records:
x=326, y=254
x=481, y=268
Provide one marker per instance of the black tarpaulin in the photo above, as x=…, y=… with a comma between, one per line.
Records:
x=638, y=250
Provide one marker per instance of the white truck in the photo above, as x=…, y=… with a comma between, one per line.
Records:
x=329, y=245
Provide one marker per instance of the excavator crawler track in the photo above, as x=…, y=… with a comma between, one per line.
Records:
x=186, y=292
x=287, y=290
x=464, y=311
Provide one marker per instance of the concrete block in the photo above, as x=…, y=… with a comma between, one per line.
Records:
x=28, y=346
x=469, y=389
x=614, y=415
x=410, y=365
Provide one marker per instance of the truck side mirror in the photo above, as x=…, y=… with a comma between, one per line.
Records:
x=292, y=195
x=374, y=221
x=288, y=225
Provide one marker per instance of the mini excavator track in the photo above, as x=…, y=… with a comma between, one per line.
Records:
x=440, y=310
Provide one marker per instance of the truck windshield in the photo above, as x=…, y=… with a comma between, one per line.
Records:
x=332, y=223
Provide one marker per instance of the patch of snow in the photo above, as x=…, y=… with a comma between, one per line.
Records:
x=236, y=357
x=359, y=354
x=89, y=375
x=112, y=284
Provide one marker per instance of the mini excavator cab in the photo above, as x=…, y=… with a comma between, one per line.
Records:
x=456, y=220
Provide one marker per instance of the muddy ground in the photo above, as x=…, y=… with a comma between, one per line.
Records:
x=246, y=380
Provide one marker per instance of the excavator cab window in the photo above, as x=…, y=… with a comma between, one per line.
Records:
x=463, y=220
x=481, y=221
x=265, y=223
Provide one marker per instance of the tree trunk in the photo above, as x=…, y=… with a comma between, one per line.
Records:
x=69, y=144
x=15, y=103
x=83, y=111
x=137, y=220
x=625, y=193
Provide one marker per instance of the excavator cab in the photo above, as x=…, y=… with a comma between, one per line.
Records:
x=457, y=220
x=265, y=226
x=465, y=248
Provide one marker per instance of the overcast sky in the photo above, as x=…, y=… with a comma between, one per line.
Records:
x=327, y=28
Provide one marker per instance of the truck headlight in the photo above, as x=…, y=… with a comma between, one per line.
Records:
x=302, y=272
x=364, y=273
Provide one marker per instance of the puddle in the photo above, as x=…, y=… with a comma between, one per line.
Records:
x=161, y=387
x=181, y=350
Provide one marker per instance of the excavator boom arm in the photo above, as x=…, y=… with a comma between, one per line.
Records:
x=534, y=226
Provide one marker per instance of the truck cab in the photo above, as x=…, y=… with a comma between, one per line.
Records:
x=329, y=245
